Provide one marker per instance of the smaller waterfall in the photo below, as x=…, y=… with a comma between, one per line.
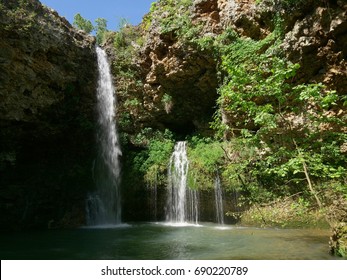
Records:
x=219, y=200
x=182, y=202
x=153, y=200
x=193, y=206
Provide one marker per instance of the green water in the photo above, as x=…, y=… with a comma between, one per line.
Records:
x=160, y=241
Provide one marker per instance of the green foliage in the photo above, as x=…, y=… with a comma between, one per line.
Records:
x=288, y=125
x=167, y=102
x=205, y=159
x=101, y=30
x=173, y=18
x=153, y=161
x=126, y=41
x=120, y=38
x=338, y=241
x=83, y=23
x=284, y=212
x=132, y=102
x=277, y=131
x=158, y=159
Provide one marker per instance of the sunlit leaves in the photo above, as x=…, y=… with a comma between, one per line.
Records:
x=83, y=24
x=290, y=124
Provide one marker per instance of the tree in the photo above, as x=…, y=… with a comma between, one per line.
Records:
x=83, y=23
x=101, y=29
x=297, y=135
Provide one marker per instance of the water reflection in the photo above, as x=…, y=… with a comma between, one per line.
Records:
x=166, y=241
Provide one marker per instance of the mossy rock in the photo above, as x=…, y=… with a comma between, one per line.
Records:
x=338, y=240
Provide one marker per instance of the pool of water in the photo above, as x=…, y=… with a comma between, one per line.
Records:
x=148, y=241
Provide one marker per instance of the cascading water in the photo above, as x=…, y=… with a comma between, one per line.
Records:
x=103, y=206
x=153, y=199
x=182, y=202
x=219, y=200
x=192, y=213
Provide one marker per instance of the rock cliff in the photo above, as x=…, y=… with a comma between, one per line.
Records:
x=168, y=75
x=177, y=79
x=47, y=90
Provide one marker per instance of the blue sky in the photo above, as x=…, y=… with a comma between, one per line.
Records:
x=111, y=10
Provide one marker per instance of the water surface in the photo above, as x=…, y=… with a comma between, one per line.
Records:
x=164, y=241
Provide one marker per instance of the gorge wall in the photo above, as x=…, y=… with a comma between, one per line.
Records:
x=167, y=74
x=47, y=98
x=174, y=80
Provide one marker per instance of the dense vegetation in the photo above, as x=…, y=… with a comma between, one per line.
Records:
x=274, y=136
x=277, y=140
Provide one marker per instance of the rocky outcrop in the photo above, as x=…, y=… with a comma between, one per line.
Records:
x=47, y=92
x=315, y=34
x=318, y=41
x=173, y=82
x=179, y=79
x=186, y=76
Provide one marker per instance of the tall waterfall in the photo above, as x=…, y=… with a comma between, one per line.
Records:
x=219, y=200
x=103, y=206
x=182, y=202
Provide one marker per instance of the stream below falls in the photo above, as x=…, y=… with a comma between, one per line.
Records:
x=164, y=241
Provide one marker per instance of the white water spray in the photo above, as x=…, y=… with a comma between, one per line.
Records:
x=103, y=206
x=219, y=200
x=182, y=202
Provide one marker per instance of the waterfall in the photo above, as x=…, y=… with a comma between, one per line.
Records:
x=103, y=206
x=219, y=200
x=153, y=199
x=192, y=206
x=182, y=202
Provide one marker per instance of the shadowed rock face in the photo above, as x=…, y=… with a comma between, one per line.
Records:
x=47, y=91
x=188, y=77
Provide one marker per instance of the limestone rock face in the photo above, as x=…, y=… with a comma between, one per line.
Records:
x=184, y=74
x=47, y=94
x=315, y=37
x=246, y=17
x=318, y=41
x=315, y=34
x=176, y=81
